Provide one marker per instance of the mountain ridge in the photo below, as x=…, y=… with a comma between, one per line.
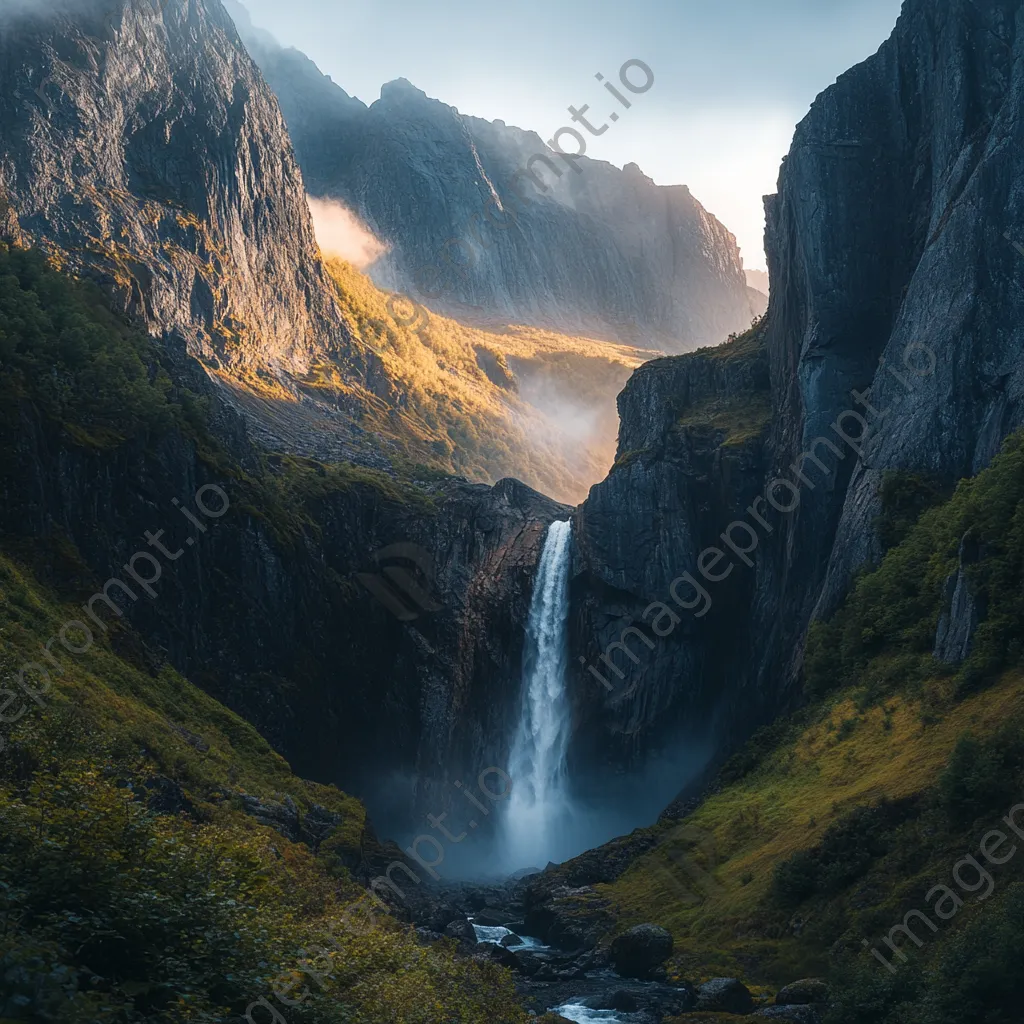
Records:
x=661, y=272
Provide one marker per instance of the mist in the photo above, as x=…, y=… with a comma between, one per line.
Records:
x=339, y=232
x=603, y=806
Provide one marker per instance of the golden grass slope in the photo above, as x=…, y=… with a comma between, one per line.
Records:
x=844, y=758
x=485, y=404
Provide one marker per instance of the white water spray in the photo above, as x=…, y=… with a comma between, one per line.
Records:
x=539, y=812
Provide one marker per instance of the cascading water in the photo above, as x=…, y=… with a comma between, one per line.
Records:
x=537, y=821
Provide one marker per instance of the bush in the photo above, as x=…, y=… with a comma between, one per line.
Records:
x=847, y=851
x=983, y=776
x=892, y=613
x=80, y=364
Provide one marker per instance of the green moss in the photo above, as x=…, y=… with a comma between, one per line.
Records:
x=892, y=614
x=744, y=347
x=737, y=419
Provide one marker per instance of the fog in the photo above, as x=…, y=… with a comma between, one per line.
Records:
x=339, y=232
x=604, y=805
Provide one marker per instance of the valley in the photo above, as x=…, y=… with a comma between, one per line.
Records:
x=581, y=641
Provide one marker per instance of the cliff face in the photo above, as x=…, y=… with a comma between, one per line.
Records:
x=355, y=667
x=141, y=142
x=600, y=251
x=892, y=277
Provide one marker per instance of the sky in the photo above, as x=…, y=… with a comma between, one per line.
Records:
x=731, y=78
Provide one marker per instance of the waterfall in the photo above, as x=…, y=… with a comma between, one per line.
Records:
x=536, y=825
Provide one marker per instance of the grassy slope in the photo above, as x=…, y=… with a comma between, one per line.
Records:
x=457, y=417
x=133, y=885
x=831, y=826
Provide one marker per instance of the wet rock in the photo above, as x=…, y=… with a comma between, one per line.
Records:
x=490, y=916
x=462, y=930
x=566, y=917
x=724, y=995
x=505, y=957
x=639, y=952
x=510, y=940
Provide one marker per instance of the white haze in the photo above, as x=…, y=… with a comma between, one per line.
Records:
x=339, y=232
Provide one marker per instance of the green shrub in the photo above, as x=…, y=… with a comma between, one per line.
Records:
x=982, y=776
x=892, y=613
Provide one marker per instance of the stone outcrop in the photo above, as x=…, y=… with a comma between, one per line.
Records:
x=600, y=251
x=354, y=668
x=642, y=951
x=896, y=258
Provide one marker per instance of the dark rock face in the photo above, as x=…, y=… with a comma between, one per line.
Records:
x=276, y=621
x=897, y=306
x=641, y=951
x=955, y=632
x=600, y=250
x=680, y=478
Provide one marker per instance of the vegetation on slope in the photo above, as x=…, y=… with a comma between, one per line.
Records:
x=134, y=886
x=484, y=404
x=833, y=825
x=136, y=882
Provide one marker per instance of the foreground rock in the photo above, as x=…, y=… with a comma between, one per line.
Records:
x=640, y=952
x=803, y=992
x=725, y=995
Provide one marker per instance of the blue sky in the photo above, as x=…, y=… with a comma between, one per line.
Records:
x=732, y=78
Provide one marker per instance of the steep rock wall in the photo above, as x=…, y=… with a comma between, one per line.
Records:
x=897, y=296
x=142, y=144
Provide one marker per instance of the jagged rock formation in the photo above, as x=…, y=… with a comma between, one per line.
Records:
x=603, y=251
x=894, y=275
x=141, y=142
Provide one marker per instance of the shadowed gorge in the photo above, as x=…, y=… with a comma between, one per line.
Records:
x=360, y=666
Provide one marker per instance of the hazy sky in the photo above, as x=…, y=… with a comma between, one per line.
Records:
x=731, y=78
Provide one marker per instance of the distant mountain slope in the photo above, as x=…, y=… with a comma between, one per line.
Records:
x=482, y=404
x=140, y=145
x=604, y=251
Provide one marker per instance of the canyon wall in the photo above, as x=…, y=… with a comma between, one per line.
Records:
x=896, y=309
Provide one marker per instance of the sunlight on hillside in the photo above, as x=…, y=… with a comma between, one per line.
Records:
x=522, y=402
x=844, y=759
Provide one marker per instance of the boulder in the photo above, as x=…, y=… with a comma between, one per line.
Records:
x=641, y=951
x=510, y=940
x=803, y=993
x=505, y=957
x=724, y=995
x=462, y=930
x=491, y=917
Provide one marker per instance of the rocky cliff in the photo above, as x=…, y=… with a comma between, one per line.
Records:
x=599, y=251
x=895, y=252
x=369, y=630
x=141, y=142
x=142, y=149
